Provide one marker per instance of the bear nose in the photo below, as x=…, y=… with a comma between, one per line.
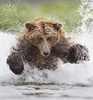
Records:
x=46, y=53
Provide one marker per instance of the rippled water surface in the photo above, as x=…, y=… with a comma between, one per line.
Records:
x=47, y=92
x=68, y=82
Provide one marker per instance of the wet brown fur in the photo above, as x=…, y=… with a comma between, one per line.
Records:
x=29, y=50
x=44, y=27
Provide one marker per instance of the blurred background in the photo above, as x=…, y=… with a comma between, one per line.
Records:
x=14, y=13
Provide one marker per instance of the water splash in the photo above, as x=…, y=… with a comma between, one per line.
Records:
x=86, y=12
x=6, y=41
x=66, y=73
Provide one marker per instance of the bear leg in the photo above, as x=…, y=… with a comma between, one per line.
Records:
x=15, y=63
x=77, y=53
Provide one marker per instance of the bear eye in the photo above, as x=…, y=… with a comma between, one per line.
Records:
x=49, y=39
x=40, y=39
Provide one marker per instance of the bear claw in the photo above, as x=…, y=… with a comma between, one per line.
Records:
x=78, y=53
x=15, y=63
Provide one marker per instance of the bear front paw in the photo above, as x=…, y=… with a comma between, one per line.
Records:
x=15, y=63
x=82, y=53
x=78, y=53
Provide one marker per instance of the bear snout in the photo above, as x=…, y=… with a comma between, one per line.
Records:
x=46, y=52
x=45, y=49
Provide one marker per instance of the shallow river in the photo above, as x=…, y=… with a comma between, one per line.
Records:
x=47, y=92
x=68, y=82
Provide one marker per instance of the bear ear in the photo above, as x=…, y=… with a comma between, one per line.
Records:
x=30, y=26
x=57, y=26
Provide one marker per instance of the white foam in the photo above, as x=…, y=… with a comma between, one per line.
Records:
x=6, y=41
x=66, y=73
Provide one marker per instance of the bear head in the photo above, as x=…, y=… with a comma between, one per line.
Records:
x=43, y=33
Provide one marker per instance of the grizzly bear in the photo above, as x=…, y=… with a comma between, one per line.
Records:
x=42, y=43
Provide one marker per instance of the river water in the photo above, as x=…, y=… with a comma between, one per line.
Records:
x=68, y=82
